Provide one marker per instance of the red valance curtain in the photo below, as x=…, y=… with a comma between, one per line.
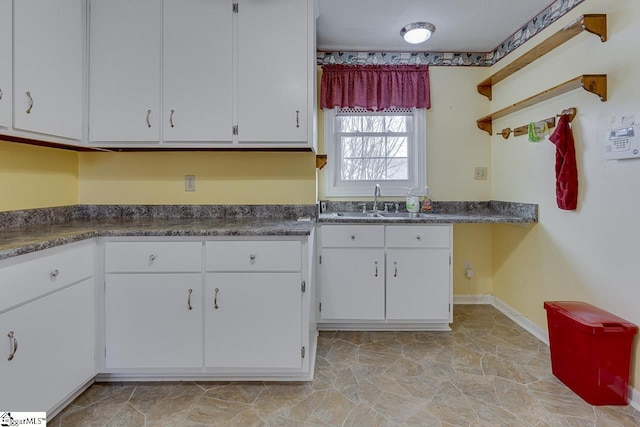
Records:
x=375, y=87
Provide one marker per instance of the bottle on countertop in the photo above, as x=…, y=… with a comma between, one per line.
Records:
x=426, y=201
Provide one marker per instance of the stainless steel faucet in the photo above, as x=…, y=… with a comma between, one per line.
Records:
x=376, y=194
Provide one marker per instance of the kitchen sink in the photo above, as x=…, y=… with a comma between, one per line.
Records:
x=381, y=215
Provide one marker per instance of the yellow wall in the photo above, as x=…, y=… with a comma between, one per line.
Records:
x=221, y=178
x=36, y=177
x=590, y=254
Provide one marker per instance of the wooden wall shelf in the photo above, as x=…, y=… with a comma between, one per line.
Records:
x=594, y=23
x=594, y=83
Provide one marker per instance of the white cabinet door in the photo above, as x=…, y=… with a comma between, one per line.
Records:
x=6, y=65
x=273, y=58
x=48, y=73
x=55, y=352
x=124, y=70
x=197, y=59
x=253, y=320
x=153, y=321
x=352, y=284
x=418, y=284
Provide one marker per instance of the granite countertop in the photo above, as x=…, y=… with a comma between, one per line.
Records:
x=19, y=241
x=492, y=212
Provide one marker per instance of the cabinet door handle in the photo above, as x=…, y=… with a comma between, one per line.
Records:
x=1, y=93
x=171, y=118
x=376, y=272
x=297, y=118
x=395, y=269
x=215, y=298
x=54, y=274
x=30, y=102
x=152, y=258
x=189, y=299
x=148, y=118
x=14, y=345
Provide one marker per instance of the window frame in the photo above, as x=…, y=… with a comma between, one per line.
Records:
x=416, y=153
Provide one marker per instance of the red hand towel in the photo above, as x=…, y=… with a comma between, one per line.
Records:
x=566, y=168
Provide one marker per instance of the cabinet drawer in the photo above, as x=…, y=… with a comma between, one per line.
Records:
x=350, y=236
x=153, y=257
x=28, y=280
x=253, y=256
x=418, y=236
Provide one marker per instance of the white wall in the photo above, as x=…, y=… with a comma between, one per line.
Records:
x=591, y=254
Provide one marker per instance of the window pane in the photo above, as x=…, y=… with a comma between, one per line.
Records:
x=396, y=124
x=348, y=124
x=351, y=147
x=375, y=169
x=373, y=124
x=397, y=147
x=397, y=169
x=352, y=170
x=373, y=147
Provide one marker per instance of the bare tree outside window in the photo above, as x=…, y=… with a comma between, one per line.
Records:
x=374, y=146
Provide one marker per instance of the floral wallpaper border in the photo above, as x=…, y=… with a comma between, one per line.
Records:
x=482, y=59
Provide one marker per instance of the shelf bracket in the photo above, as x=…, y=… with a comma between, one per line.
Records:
x=596, y=84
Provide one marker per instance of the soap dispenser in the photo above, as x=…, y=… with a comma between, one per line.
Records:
x=413, y=203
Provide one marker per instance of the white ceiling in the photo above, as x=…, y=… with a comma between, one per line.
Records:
x=461, y=25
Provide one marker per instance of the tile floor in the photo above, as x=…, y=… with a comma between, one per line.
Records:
x=486, y=372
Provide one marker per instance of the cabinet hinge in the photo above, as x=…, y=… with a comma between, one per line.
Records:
x=320, y=306
x=235, y=8
x=302, y=352
x=304, y=286
x=234, y=130
x=320, y=259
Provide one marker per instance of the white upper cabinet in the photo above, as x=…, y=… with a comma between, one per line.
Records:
x=124, y=70
x=274, y=71
x=6, y=35
x=197, y=73
x=48, y=74
x=197, y=59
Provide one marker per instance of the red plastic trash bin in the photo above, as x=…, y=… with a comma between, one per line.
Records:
x=590, y=351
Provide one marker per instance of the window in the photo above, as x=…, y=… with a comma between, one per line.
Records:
x=366, y=148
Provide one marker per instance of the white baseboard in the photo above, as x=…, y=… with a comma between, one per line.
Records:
x=529, y=326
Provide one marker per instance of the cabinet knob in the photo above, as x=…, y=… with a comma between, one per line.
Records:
x=353, y=237
x=14, y=345
x=54, y=274
x=30, y=102
x=252, y=257
x=1, y=93
x=152, y=258
x=419, y=237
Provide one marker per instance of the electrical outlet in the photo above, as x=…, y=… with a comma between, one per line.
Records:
x=481, y=173
x=189, y=183
x=468, y=265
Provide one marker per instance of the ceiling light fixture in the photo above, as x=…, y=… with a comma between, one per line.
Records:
x=417, y=32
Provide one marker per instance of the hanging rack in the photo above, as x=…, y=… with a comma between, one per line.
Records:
x=551, y=122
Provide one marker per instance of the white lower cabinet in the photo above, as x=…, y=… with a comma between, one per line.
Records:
x=385, y=276
x=253, y=320
x=154, y=321
x=224, y=309
x=47, y=336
